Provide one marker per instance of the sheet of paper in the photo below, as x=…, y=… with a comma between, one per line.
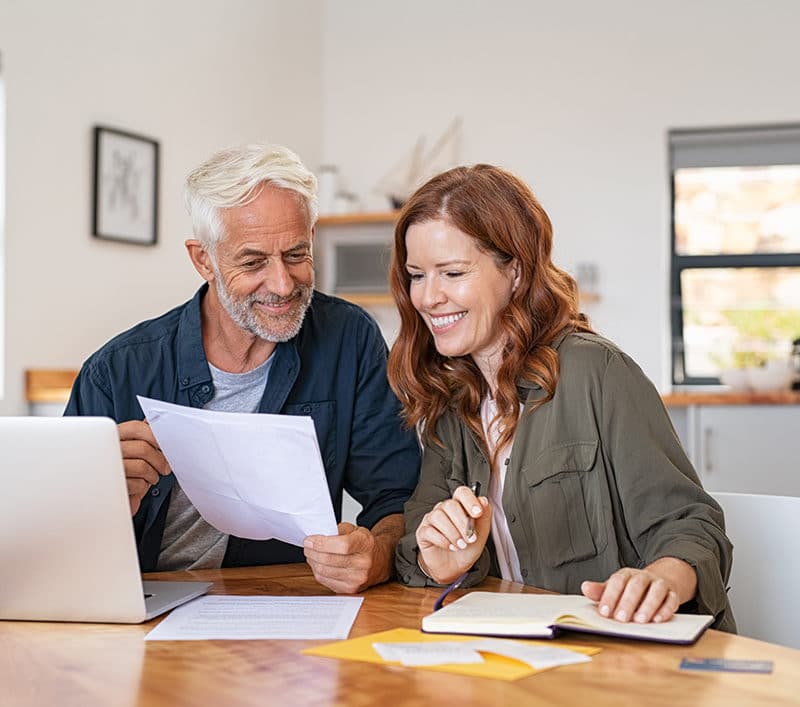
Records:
x=451, y=652
x=537, y=656
x=260, y=617
x=254, y=476
x=443, y=653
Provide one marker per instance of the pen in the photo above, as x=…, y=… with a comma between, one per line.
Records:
x=476, y=489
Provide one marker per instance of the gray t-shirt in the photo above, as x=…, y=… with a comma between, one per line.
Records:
x=189, y=543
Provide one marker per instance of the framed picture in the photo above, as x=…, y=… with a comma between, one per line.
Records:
x=125, y=204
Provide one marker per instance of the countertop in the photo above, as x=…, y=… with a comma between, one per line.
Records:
x=684, y=398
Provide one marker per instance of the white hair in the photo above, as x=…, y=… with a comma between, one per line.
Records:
x=235, y=177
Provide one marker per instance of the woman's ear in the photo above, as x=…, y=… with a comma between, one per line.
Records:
x=516, y=274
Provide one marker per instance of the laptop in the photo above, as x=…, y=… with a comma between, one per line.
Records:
x=67, y=548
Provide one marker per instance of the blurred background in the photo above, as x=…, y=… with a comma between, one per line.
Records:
x=580, y=99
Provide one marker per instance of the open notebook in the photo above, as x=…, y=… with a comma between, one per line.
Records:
x=542, y=615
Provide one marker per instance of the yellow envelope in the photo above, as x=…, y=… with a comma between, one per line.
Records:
x=494, y=666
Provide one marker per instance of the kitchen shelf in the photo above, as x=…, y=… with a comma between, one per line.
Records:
x=384, y=299
x=368, y=299
x=45, y=385
x=355, y=219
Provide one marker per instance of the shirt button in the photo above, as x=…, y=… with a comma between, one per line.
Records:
x=155, y=492
x=306, y=409
x=512, y=518
x=184, y=381
x=524, y=573
x=205, y=388
x=407, y=578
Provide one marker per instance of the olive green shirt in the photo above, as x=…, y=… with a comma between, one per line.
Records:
x=597, y=481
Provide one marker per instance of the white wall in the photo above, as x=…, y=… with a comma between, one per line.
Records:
x=577, y=98
x=197, y=75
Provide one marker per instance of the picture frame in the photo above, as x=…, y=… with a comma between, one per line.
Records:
x=125, y=186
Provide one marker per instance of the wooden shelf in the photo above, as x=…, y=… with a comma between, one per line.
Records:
x=368, y=299
x=356, y=219
x=45, y=385
x=383, y=299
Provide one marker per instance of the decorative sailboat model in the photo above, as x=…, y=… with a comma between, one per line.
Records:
x=401, y=181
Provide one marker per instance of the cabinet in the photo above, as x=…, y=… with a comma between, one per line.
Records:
x=743, y=448
x=351, y=259
x=351, y=256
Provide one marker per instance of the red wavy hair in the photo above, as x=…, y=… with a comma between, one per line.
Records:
x=501, y=214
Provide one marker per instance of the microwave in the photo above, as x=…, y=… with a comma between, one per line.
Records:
x=354, y=258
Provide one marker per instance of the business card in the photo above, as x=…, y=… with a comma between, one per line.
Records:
x=727, y=665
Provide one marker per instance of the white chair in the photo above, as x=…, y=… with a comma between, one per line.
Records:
x=765, y=532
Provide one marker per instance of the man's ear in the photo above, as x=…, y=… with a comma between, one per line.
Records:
x=200, y=259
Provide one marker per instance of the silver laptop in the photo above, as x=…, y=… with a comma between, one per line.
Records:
x=67, y=548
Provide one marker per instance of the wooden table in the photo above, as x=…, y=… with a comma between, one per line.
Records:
x=100, y=664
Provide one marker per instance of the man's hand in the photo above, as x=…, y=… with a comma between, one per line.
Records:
x=143, y=460
x=650, y=594
x=356, y=558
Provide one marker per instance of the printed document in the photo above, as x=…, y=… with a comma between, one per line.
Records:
x=251, y=475
x=259, y=617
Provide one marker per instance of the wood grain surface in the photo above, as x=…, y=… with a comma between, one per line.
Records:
x=96, y=664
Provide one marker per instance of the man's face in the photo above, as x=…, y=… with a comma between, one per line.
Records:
x=263, y=268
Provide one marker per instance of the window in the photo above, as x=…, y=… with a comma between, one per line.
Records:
x=2, y=227
x=735, y=280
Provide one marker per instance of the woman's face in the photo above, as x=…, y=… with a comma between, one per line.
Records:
x=458, y=290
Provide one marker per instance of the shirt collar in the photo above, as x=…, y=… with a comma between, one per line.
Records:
x=525, y=386
x=193, y=367
x=192, y=364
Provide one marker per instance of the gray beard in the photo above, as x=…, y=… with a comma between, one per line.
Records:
x=242, y=313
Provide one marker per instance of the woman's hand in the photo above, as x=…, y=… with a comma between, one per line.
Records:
x=452, y=536
x=651, y=594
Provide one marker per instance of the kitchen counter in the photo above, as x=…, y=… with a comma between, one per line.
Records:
x=679, y=398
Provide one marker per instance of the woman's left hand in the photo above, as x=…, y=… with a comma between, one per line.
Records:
x=650, y=594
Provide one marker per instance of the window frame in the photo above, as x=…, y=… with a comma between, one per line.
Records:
x=679, y=263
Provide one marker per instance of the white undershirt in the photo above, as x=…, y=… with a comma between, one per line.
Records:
x=507, y=558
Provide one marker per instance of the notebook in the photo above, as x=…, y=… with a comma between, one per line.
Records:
x=67, y=548
x=543, y=615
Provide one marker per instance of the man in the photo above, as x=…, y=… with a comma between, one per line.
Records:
x=257, y=338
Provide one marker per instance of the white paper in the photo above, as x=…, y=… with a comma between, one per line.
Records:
x=438, y=653
x=538, y=657
x=255, y=618
x=251, y=475
x=446, y=652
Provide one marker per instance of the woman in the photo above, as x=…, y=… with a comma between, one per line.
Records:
x=588, y=488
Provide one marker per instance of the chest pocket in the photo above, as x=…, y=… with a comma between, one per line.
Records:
x=561, y=522
x=324, y=416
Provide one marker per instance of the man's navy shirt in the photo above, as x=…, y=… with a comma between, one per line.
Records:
x=334, y=370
